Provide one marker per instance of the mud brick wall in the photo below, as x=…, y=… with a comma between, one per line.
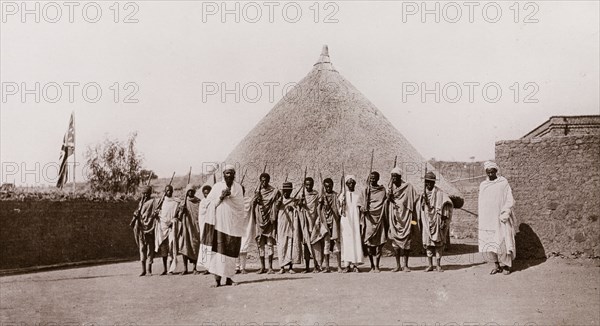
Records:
x=40, y=233
x=556, y=186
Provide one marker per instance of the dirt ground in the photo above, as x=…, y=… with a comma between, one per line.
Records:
x=556, y=291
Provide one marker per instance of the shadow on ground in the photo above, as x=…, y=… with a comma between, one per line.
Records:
x=262, y=280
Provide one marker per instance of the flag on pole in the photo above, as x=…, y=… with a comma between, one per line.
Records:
x=67, y=149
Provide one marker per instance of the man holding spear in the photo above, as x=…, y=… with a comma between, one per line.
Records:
x=264, y=214
x=329, y=211
x=288, y=250
x=190, y=234
x=143, y=228
x=165, y=242
x=308, y=213
x=435, y=212
x=402, y=208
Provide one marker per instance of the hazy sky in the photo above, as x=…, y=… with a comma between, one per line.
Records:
x=177, y=52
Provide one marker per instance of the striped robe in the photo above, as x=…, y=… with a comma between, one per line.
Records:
x=223, y=230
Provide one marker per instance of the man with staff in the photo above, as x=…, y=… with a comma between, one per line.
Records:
x=264, y=214
x=374, y=219
x=435, y=212
x=308, y=218
x=330, y=216
x=401, y=209
x=189, y=238
x=288, y=239
x=165, y=240
x=143, y=228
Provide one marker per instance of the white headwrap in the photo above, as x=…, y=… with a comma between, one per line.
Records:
x=490, y=165
x=229, y=167
x=350, y=177
x=396, y=170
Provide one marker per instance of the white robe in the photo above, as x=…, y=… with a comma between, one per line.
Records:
x=496, y=204
x=350, y=240
x=228, y=219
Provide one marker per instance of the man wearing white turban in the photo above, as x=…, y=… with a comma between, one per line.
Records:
x=351, y=243
x=224, y=227
x=496, y=220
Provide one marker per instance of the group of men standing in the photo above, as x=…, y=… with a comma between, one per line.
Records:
x=307, y=225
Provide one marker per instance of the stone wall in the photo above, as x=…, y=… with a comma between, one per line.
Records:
x=556, y=186
x=42, y=232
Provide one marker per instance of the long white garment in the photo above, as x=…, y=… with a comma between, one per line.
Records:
x=202, y=256
x=351, y=242
x=229, y=221
x=496, y=204
x=249, y=226
x=166, y=216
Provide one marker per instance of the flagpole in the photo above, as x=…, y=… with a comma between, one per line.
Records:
x=74, y=140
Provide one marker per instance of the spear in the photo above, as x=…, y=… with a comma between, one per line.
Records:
x=395, y=160
x=391, y=185
x=343, y=187
x=189, y=175
x=243, y=177
x=369, y=179
x=301, y=188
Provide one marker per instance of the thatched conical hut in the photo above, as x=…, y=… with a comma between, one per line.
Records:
x=322, y=122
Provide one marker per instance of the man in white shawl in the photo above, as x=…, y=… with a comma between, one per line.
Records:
x=223, y=227
x=351, y=242
x=165, y=243
x=496, y=220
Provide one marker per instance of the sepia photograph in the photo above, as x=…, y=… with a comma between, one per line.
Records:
x=302, y=162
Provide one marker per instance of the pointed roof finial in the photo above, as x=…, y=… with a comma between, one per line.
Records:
x=325, y=50
x=324, y=62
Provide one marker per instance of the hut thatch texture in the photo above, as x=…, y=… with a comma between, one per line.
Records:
x=322, y=123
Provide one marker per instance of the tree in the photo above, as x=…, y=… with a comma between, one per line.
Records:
x=115, y=166
x=148, y=175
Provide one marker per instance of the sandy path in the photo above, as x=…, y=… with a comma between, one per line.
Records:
x=553, y=292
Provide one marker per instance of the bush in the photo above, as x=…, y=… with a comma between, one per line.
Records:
x=114, y=166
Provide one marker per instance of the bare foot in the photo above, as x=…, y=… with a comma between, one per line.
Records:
x=291, y=271
x=163, y=273
x=261, y=271
x=282, y=271
x=143, y=273
x=244, y=271
x=439, y=269
x=376, y=270
x=397, y=269
x=406, y=269
x=270, y=271
x=429, y=269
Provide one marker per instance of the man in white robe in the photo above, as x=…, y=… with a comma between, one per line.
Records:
x=223, y=227
x=165, y=241
x=351, y=242
x=496, y=220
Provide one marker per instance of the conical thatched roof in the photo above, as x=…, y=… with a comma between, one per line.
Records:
x=321, y=123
